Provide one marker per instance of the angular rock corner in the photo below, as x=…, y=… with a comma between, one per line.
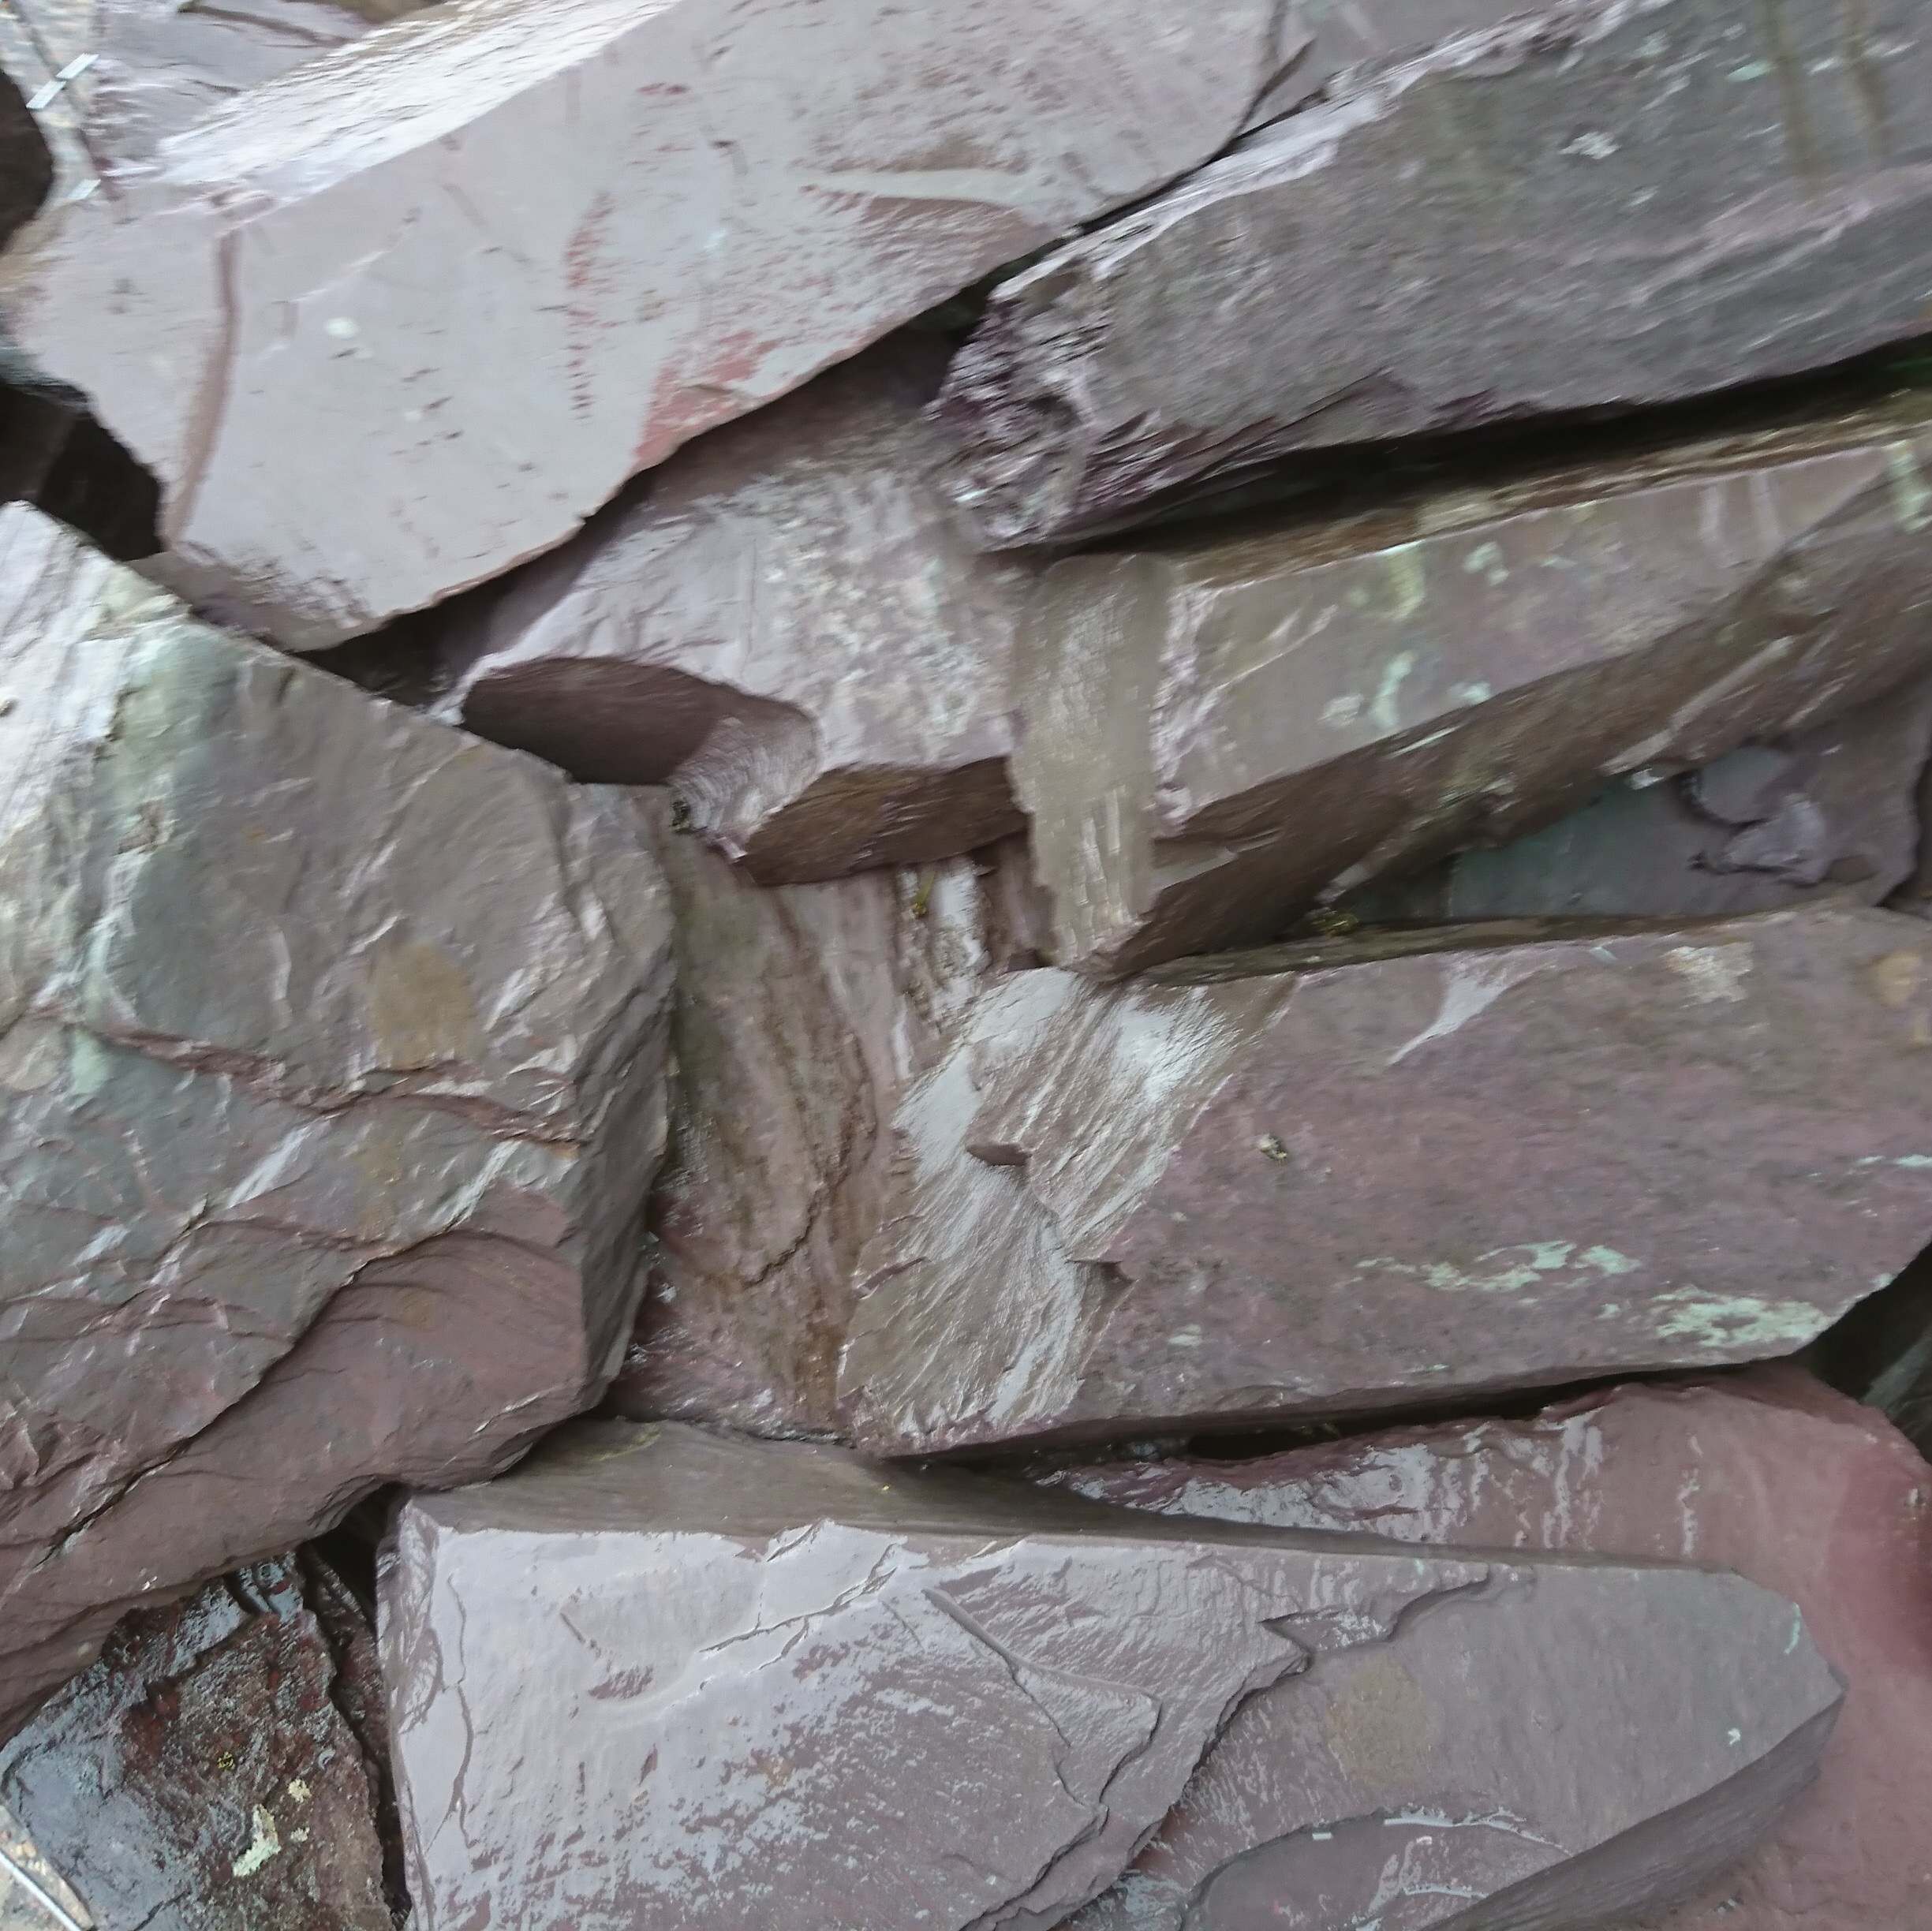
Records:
x=332, y=1072
x=1058, y=1673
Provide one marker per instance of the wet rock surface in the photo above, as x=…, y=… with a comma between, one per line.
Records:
x=386, y=374
x=331, y=1074
x=1832, y=811
x=1766, y=1472
x=788, y=624
x=1592, y=205
x=1710, y=1139
x=1220, y=729
x=1055, y=1671
x=221, y=1767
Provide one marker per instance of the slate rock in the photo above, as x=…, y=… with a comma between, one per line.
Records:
x=1880, y=1353
x=803, y=1014
x=1220, y=729
x=1603, y=203
x=1397, y=1169
x=34, y=1896
x=201, y=1774
x=401, y=318
x=330, y=1058
x=1830, y=812
x=711, y=1682
x=1766, y=1472
x=786, y=623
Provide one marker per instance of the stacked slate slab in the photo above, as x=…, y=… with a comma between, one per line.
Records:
x=944, y=954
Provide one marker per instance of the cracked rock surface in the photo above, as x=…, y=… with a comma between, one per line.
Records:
x=751, y=192
x=1832, y=811
x=330, y=1079
x=1409, y=1168
x=221, y=1767
x=1766, y=1472
x=803, y=1014
x=1608, y=202
x=702, y=1748
x=1219, y=728
x=788, y=624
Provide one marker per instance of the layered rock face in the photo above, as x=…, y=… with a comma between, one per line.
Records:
x=369, y=369
x=1055, y=1671
x=786, y=623
x=1219, y=730
x=1604, y=203
x=223, y=1766
x=332, y=1069
x=1767, y=1473
x=1408, y=1169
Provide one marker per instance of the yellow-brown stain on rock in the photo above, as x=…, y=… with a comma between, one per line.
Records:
x=1897, y=977
x=1384, y=1727
x=422, y=1012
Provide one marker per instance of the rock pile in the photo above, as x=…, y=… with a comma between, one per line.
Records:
x=965, y=969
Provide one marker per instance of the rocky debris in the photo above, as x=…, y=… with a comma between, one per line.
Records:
x=330, y=1054
x=1882, y=1354
x=1766, y=1472
x=803, y=1014
x=34, y=1896
x=1509, y=1156
x=1220, y=728
x=1830, y=812
x=1596, y=204
x=370, y=369
x=786, y=623
x=205, y=1773
x=710, y=1751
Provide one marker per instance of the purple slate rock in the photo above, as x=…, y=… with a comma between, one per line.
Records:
x=402, y=317
x=1395, y=1169
x=331, y=1088
x=1222, y=727
x=803, y=1014
x=660, y=1676
x=786, y=623
x=1765, y=1472
x=204, y=1774
x=1830, y=812
x=1602, y=203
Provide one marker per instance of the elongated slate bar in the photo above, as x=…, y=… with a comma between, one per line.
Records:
x=402, y=317
x=1608, y=202
x=1221, y=729
x=787, y=623
x=710, y=1682
x=1328, y=1179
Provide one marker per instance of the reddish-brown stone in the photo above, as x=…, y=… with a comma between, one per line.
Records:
x=1397, y=1168
x=1766, y=1472
x=662, y=1676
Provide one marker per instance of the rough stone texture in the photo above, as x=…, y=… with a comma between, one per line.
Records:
x=1766, y=1472
x=1325, y=1180
x=803, y=1014
x=331, y=1053
x=34, y=1896
x=786, y=623
x=203, y=1775
x=1609, y=203
x=1829, y=812
x=1220, y=729
x=709, y=1749
x=510, y=256
x=1881, y=1353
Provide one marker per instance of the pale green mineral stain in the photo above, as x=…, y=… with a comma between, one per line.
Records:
x=1723, y=1321
x=1911, y=496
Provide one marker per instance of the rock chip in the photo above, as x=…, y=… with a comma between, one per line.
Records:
x=1601, y=203
x=1220, y=729
x=803, y=1014
x=403, y=316
x=203, y=1775
x=1397, y=1169
x=1830, y=812
x=709, y=1682
x=786, y=623
x=1766, y=1472
x=331, y=1059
